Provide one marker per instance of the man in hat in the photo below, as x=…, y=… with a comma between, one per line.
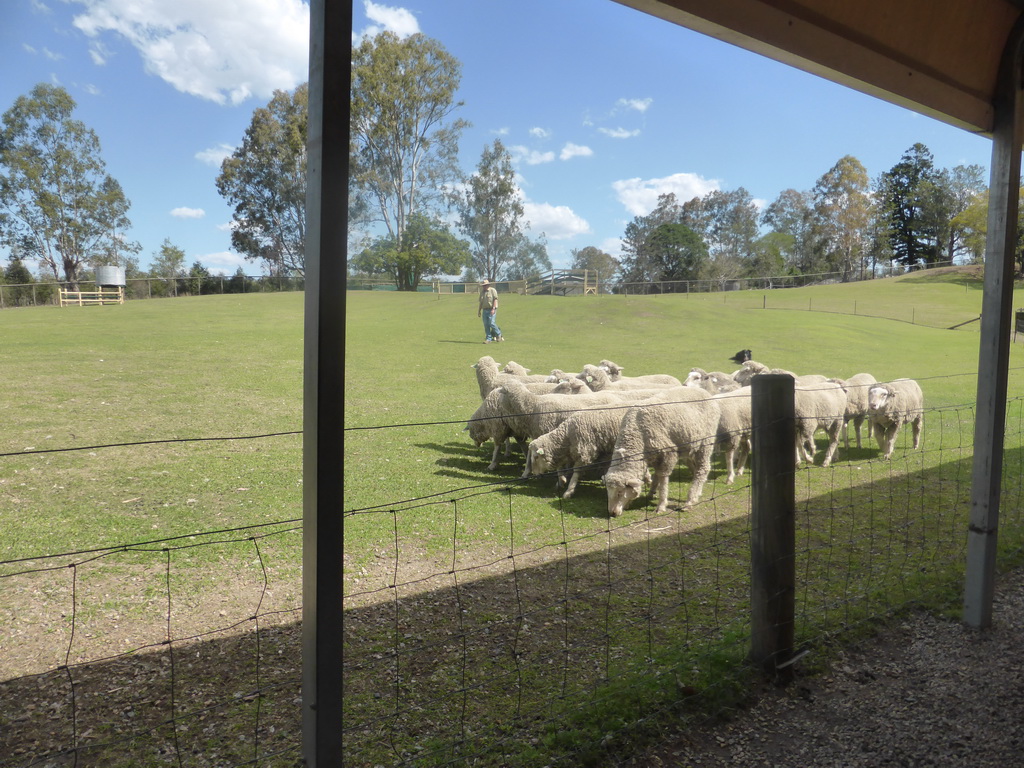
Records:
x=489, y=309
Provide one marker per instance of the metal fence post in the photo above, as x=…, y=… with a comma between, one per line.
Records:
x=773, y=524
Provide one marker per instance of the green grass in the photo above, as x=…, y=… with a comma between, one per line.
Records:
x=614, y=623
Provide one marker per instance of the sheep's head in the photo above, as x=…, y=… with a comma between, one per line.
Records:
x=557, y=376
x=694, y=378
x=515, y=369
x=613, y=370
x=622, y=493
x=537, y=459
x=879, y=396
x=594, y=377
x=569, y=387
x=477, y=431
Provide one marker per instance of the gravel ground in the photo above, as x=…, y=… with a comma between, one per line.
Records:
x=926, y=692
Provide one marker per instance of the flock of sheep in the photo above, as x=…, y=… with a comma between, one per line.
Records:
x=632, y=426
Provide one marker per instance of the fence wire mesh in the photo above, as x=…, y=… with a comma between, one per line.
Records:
x=520, y=641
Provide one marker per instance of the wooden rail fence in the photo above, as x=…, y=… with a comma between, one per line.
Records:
x=100, y=296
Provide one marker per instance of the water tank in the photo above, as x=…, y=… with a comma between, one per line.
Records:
x=110, y=276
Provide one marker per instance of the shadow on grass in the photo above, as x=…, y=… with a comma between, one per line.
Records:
x=571, y=648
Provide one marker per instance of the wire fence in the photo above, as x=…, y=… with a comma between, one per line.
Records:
x=541, y=631
x=48, y=293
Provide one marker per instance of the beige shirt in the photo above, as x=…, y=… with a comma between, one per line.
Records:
x=488, y=298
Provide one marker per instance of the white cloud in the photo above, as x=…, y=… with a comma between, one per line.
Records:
x=92, y=90
x=522, y=154
x=188, y=213
x=227, y=226
x=620, y=133
x=557, y=222
x=51, y=55
x=224, y=51
x=215, y=155
x=612, y=246
x=28, y=48
x=571, y=150
x=40, y=7
x=387, y=19
x=539, y=133
x=227, y=263
x=99, y=53
x=640, y=196
x=640, y=105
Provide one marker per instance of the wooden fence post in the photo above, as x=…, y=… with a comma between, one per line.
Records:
x=773, y=524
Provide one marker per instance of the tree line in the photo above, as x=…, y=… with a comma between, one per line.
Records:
x=413, y=213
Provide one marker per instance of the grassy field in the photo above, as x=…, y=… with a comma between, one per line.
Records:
x=485, y=567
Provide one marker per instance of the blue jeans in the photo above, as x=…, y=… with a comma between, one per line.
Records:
x=491, y=329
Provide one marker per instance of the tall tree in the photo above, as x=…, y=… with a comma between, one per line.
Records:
x=676, y=253
x=792, y=214
x=427, y=248
x=596, y=260
x=265, y=181
x=637, y=265
x=906, y=188
x=169, y=263
x=404, y=131
x=57, y=203
x=841, y=209
x=965, y=184
x=491, y=216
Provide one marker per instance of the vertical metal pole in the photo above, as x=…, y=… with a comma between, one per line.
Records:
x=330, y=32
x=773, y=524
x=994, y=353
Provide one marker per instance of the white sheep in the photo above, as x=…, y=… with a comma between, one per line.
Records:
x=529, y=416
x=891, y=405
x=489, y=377
x=488, y=423
x=598, y=379
x=515, y=369
x=750, y=369
x=857, y=387
x=583, y=441
x=713, y=382
x=817, y=406
x=734, y=428
x=681, y=421
x=558, y=375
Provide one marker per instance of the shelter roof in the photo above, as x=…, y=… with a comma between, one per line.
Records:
x=937, y=57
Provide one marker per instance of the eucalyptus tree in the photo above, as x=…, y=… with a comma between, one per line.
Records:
x=490, y=209
x=58, y=204
x=168, y=263
x=265, y=180
x=842, y=207
x=404, y=129
x=792, y=214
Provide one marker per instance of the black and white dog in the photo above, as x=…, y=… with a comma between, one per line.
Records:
x=741, y=357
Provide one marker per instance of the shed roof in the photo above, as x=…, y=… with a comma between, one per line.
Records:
x=937, y=57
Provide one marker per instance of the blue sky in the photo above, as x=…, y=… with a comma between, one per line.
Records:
x=602, y=107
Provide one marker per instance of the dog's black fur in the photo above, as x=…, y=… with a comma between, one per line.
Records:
x=741, y=357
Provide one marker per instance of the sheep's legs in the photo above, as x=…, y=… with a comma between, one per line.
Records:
x=918, y=428
x=701, y=468
x=833, y=443
x=570, y=489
